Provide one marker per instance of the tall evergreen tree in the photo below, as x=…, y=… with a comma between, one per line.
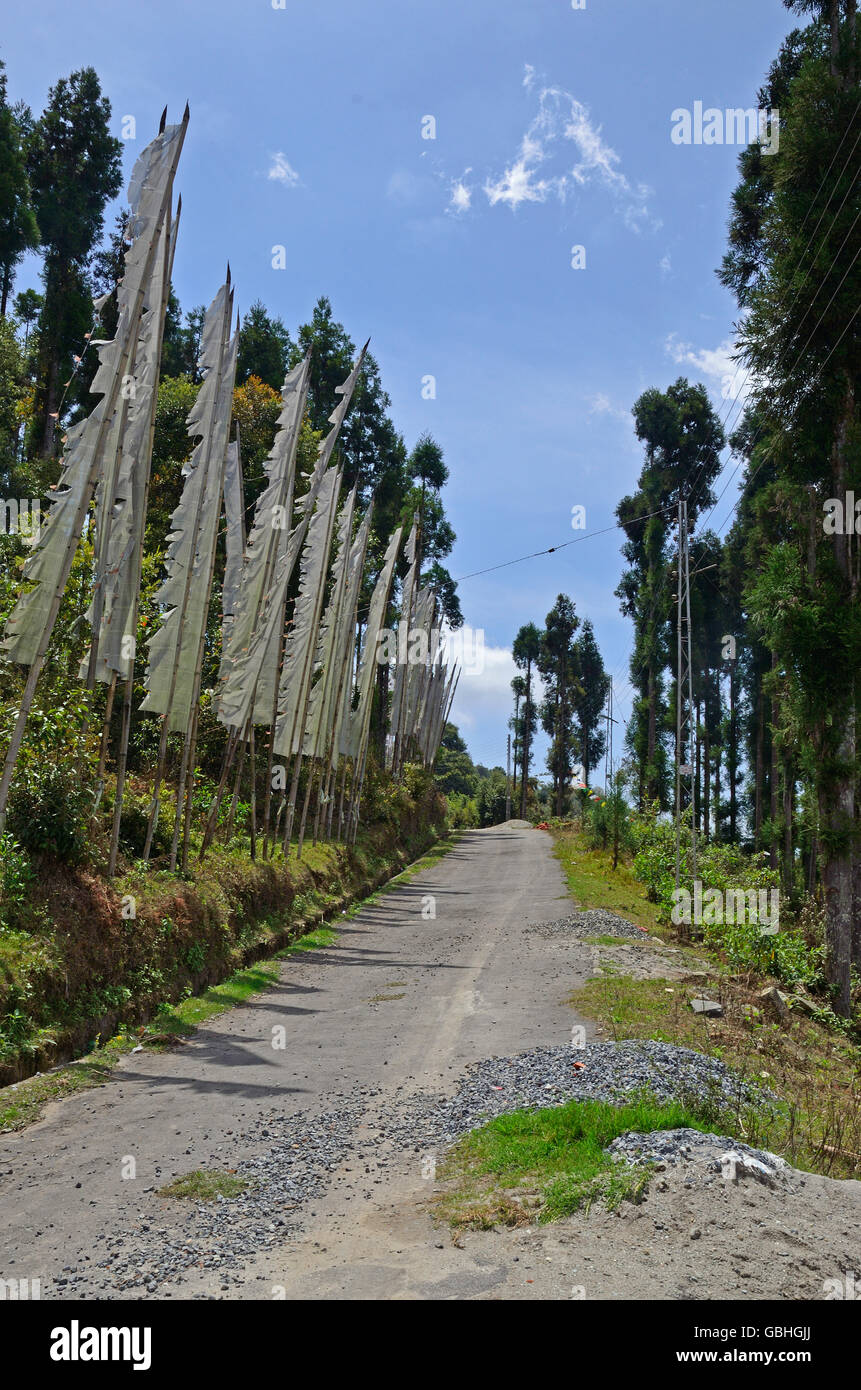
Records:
x=800, y=335
x=18, y=229
x=557, y=665
x=74, y=167
x=590, y=698
x=683, y=439
x=264, y=348
x=526, y=652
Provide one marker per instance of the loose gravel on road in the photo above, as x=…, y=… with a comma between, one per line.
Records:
x=611, y=1071
x=292, y=1168
x=673, y=1146
x=595, y=921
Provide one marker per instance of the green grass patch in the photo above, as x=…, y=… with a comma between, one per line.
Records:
x=611, y=940
x=23, y=1103
x=593, y=882
x=811, y=1069
x=540, y=1165
x=205, y=1186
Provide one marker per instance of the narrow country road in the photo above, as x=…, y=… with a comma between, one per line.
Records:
x=403, y=1000
x=312, y=1091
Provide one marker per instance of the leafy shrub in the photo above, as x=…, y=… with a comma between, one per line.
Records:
x=598, y=817
x=793, y=954
x=134, y=821
x=49, y=810
x=16, y=875
x=462, y=811
x=195, y=957
x=785, y=954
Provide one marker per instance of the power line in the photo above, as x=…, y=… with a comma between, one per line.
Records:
x=551, y=549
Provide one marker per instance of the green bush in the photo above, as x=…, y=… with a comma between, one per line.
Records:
x=598, y=816
x=16, y=875
x=791, y=954
x=462, y=811
x=49, y=811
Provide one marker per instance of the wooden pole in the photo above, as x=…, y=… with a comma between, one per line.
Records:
x=128, y=693
x=108, y=405
x=204, y=464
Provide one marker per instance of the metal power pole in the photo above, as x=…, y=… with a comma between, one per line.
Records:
x=685, y=778
x=508, y=780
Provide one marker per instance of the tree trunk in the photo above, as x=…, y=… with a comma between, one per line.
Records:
x=527, y=711
x=788, y=874
x=4, y=290
x=718, y=835
x=51, y=400
x=732, y=757
x=773, y=775
x=758, y=771
x=836, y=817
x=651, y=790
x=706, y=796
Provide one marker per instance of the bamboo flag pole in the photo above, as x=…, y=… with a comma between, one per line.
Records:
x=170, y=236
x=215, y=472
x=100, y=418
x=302, y=706
x=328, y=643
x=360, y=722
x=222, y=304
x=256, y=600
x=341, y=696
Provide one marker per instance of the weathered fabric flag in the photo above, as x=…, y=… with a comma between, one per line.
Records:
x=328, y=638
x=300, y=646
x=121, y=527
x=174, y=650
x=360, y=721
x=234, y=539
x=92, y=444
x=399, y=692
x=252, y=680
x=272, y=518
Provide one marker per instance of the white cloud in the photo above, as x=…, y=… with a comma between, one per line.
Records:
x=726, y=378
x=665, y=265
x=600, y=404
x=282, y=171
x=461, y=194
x=562, y=121
x=484, y=703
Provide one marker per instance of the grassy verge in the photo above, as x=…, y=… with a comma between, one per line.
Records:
x=540, y=1165
x=23, y=1102
x=811, y=1065
x=592, y=882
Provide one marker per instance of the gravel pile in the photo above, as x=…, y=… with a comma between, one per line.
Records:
x=612, y=1071
x=672, y=1146
x=595, y=921
x=297, y=1157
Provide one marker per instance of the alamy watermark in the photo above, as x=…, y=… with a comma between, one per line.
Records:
x=727, y=907
x=21, y=516
x=734, y=126
x=406, y=646
x=842, y=515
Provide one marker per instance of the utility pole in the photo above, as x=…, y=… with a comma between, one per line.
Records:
x=508, y=780
x=613, y=792
x=684, y=692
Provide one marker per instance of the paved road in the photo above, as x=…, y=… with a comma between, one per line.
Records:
x=401, y=1002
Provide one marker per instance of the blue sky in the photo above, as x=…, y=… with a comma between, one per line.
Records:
x=553, y=130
